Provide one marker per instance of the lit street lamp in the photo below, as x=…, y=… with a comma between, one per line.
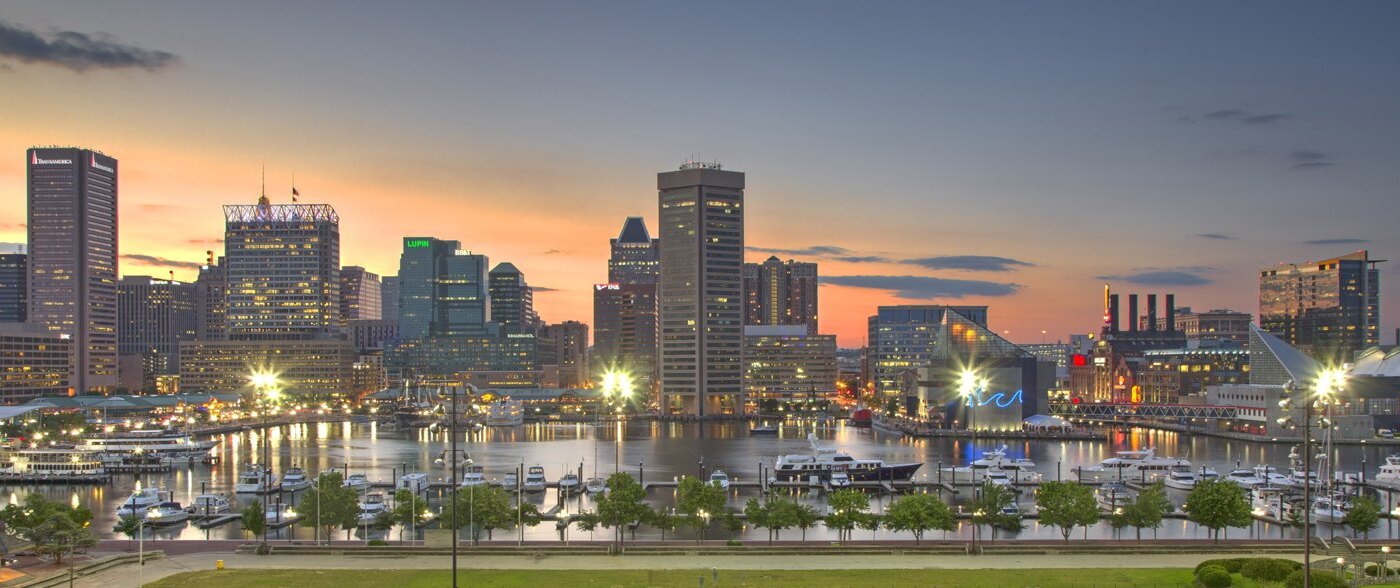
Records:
x=1329, y=383
x=268, y=390
x=617, y=387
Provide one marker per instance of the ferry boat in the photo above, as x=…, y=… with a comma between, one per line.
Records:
x=569, y=483
x=475, y=476
x=415, y=483
x=209, y=504
x=254, y=480
x=505, y=413
x=822, y=460
x=164, y=442
x=140, y=501
x=295, y=480
x=719, y=479
x=1112, y=496
x=1389, y=475
x=534, y=479
x=166, y=513
x=54, y=463
x=1134, y=466
x=1021, y=469
x=370, y=507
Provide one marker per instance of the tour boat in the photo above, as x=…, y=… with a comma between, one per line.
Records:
x=510, y=482
x=140, y=501
x=1134, y=466
x=1022, y=469
x=1389, y=475
x=1181, y=479
x=53, y=463
x=595, y=486
x=534, y=479
x=505, y=413
x=209, y=504
x=822, y=460
x=253, y=480
x=475, y=476
x=415, y=483
x=719, y=479
x=1112, y=496
x=166, y=513
x=1245, y=478
x=163, y=442
x=295, y=480
x=764, y=429
x=370, y=507
x=569, y=483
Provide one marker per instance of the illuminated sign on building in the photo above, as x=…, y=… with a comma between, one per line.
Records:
x=37, y=161
x=1000, y=399
x=93, y=160
x=416, y=243
x=601, y=287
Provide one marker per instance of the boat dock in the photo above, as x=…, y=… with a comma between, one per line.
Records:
x=54, y=479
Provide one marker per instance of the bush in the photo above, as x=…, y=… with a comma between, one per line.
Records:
x=377, y=542
x=1376, y=570
x=734, y=543
x=1320, y=579
x=1268, y=569
x=1231, y=565
x=1214, y=577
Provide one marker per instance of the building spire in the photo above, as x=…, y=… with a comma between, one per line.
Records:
x=262, y=200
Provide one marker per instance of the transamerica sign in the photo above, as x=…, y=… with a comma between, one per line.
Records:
x=36, y=160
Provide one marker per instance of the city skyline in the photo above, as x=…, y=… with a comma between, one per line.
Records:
x=1117, y=166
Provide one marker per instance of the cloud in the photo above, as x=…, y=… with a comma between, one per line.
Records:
x=971, y=263
x=1161, y=278
x=1337, y=241
x=12, y=226
x=543, y=289
x=1236, y=115
x=861, y=259
x=1216, y=236
x=924, y=287
x=816, y=250
x=553, y=252
x=1307, y=159
x=152, y=260
x=205, y=241
x=77, y=51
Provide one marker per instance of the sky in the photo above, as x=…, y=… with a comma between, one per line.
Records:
x=1012, y=154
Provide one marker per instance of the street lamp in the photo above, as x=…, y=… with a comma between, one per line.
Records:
x=1329, y=382
x=617, y=385
x=267, y=386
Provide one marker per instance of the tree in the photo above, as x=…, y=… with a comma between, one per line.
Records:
x=330, y=505
x=128, y=525
x=757, y=511
x=806, y=518
x=918, y=513
x=1148, y=510
x=847, y=509
x=1218, y=504
x=1364, y=516
x=1066, y=505
x=987, y=509
x=527, y=514
x=782, y=514
x=586, y=521
x=869, y=522
x=698, y=503
x=623, y=504
x=481, y=507
x=409, y=512
x=255, y=518
x=59, y=535
x=664, y=519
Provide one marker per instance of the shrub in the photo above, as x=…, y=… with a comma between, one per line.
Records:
x=1214, y=577
x=1231, y=565
x=1375, y=570
x=734, y=543
x=378, y=542
x=1320, y=579
x=1268, y=569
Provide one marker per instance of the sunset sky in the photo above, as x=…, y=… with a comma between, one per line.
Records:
x=1013, y=154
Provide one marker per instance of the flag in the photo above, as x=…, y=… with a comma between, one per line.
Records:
x=295, y=193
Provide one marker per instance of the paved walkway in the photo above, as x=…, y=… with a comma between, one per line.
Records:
x=129, y=577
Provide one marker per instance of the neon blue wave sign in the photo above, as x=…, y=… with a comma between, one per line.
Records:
x=1000, y=399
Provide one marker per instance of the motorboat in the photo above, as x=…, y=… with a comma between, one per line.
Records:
x=141, y=500
x=839, y=480
x=357, y=481
x=534, y=479
x=416, y=483
x=1269, y=500
x=295, y=480
x=1389, y=474
x=1021, y=469
x=254, y=479
x=1142, y=465
x=569, y=483
x=764, y=429
x=510, y=482
x=1328, y=509
x=166, y=513
x=475, y=476
x=997, y=477
x=1271, y=476
x=719, y=479
x=370, y=507
x=595, y=486
x=211, y=504
x=1012, y=509
x=822, y=460
x=1181, y=479
x=1207, y=473
x=505, y=413
x=1112, y=496
x=1244, y=478
x=1298, y=478
x=279, y=514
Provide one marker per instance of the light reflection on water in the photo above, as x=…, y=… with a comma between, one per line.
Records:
x=662, y=451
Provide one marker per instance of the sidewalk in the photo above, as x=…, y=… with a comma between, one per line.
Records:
x=128, y=576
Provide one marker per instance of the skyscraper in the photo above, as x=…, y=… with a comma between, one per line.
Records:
x=512, y=300
x=282, y=262
x=1329, y=308
x=570, y=339
x=14, y=279
x=153, y=317
x=359, y=294
x=442, y=290
x=73, y=258
x=212, y=290
x=389, y=298
x=624, y=309
x=780, y=293
x=701, y=289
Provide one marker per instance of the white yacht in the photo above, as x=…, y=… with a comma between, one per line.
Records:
x=822, y=460
x=474, y=476
x=140, y=501
x=505, y=413
x=165, y=442
x=510, y=482
x=1181, y=479
x=1019, y=468
x=1012, y=509
x=370, y=507
x=839, y=480
x=569, y=483
x=1271, y=476
x=595, y=486
x=357, y=481
x=997, y=477
x=279, y=514
x=534, y=479
x=1244, y=478
x=1113, y=496
x=53, y=463
x=415, y=483
x=254, y=479
x=1389, y=474
x=1270, y=501
x=1326, y=509
x=210, y=504
x=166, y=513
x=1133, y=466
x=295, y=480
x=719, y=479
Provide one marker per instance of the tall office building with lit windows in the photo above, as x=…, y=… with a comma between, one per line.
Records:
x=779, y=293
x=73, y=258
x=701, y=289
x=1328, y=308
x=359, y=294
x=282, y=266
x=624, y=309
x=14, y=288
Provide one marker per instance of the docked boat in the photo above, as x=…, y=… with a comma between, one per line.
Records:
x=370, y=507
x=595, y=486
x=505, y=413
x=415, y=483
x=210, y=504
x=53, y=463
x=764, y=429
x=295, y=480
x=1297, y=477
x=510, y=482
x=141, y=500
x=1329, y=509
x=569, y=483
x=1389, y=474
x=884, y=426
x=534, y=479
x=719, y=479
x=839, y=478
x=1012, y=509
x=1271, y=476
x=161, y=442
x=1181, y=479
x=1112, y=496
x=279, y=514
x=254, y=479
x=1135, y=465
x=357, y=481
x=997, y=477
x=822, y=460
x=1244, y=478
x=1020, y=468
x=166, y=513
x=475, y=476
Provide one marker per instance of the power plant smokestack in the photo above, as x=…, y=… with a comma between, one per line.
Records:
x=1171, y=312
x=1113, y=313
x=1132, y=313
x=1151, y=312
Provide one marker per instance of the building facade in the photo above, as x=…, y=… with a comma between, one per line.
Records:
x=368, y=336
x=211, y=287
x=319, y=368
x=781, y=293
x=282, y=263
x=786, y=365
x=625, y=309
x=34, y=363
x=389, y=298
x=701, y=290
x=153, y=317
x=512, y=300
x=443, y=290
x=438, y=358
x=14, y=286
x=1328, y=308
x=906, y=337
x=570, y=340
x=359, y=294
x=1212, y=325
x=72, y=277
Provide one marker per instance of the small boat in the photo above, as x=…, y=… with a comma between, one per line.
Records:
x=357, y=481
x=1208, y=473
x=1244, y=478
x=1012, y=509
x=1111, y=497
x=166, y=513
x=595, y=486
x=475, y=476
x=510, y=482
x=255, y=479
x=569, y=483
x=1269, y=500
x=141, y=500
x=1142, y=466
x=997, y=477
x=1389, y=474
x=534, y=479
x=1022, y=469
x=370, y=507
x=1271, y=476
x=1326, y=509
x=415, y=483
x=1181, y=479
x=719, y=479
x=295, y=480
x=209, y=504
x=839, y=478
x=279, y=514
x=764, y=429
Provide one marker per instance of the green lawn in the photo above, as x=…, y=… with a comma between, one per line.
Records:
x=1044, y=578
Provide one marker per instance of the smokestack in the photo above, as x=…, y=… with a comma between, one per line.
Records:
x=1113, y=313
x=1151, y=312
x=1171, y=312
x=1132, y=313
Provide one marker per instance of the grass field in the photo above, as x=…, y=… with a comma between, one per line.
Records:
x=942, y=578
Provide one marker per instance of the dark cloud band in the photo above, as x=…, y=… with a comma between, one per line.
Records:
x=78, y=51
